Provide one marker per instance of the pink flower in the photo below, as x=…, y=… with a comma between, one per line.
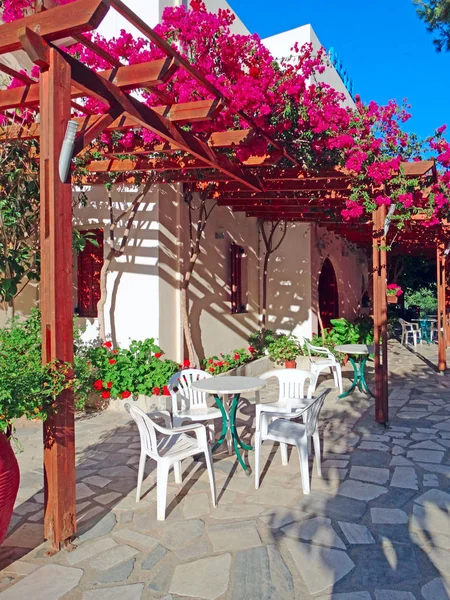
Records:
x=380, y=200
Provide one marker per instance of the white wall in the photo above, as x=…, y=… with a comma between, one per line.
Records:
x=350, y=266
x=280, y=46
x=289, y=283
x=151, y=10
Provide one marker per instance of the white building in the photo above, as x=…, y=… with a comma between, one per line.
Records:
x=144, y=298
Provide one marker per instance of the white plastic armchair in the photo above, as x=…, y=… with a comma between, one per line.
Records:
x=410, y=330
x=189, y=404
x=285, y=431
x=324, y=360
x=296, y=388
x=168, y=449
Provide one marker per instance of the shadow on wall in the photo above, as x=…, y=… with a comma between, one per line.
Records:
x=158, y=246
x=350, y=266
x=288, y=285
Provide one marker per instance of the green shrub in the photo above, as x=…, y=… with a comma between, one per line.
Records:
x=121, y=373
x=28, y=388
x=285, y=348
x=224, y=362
x=425, y=297
x=260, y=340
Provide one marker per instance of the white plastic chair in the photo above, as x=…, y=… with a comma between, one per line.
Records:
x=169, y=449
x=291, y=395
x=318, y=364
x=410, y=329
x=286, y=431
x=191, y=405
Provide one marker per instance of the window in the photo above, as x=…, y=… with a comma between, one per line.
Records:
x=238, y=279
x=90, y=262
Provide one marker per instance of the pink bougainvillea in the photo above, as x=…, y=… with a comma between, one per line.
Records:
x=284, y=98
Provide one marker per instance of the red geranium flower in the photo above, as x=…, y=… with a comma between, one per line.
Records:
x=186, y=363
x=112, y=361
x=210, y=361
x=158, y=354
x=251, y=350
x=125, y=394
x=108, y=344
x=211, y=369
x=98, y=384
x=156, y=391
x=115, y=351
x=109, y=384
x=237, y=356
x=166, y=391
x=106, y=394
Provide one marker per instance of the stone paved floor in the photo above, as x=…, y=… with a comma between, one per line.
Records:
x=376, y=527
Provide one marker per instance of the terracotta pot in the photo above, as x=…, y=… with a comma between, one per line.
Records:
x=9, y=484
x=392, y=299
x=345, y=361
x=290, y=364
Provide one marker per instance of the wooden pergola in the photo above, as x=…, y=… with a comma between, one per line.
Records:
x=270, y=187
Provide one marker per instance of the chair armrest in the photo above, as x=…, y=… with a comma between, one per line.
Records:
x=162, y=414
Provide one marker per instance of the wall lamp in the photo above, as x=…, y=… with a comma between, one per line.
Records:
x=65, y=156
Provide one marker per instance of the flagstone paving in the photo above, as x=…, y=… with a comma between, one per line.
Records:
x=375, y=527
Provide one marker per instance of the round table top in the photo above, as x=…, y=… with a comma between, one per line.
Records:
x=229, y=385
x=354, y=348
x=428, y=319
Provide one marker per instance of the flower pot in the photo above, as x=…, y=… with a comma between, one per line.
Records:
x=145, y=403
x=9, y=484
x=290, y=364
x=392, y=299
x=345, y=361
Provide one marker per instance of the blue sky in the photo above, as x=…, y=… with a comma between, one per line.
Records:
x=383, y=45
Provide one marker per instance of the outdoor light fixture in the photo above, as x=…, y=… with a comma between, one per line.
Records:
x=388, y=219
x=447, y=251
x=66, y=153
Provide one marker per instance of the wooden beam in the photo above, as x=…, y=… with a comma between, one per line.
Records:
x=161, y=126
x=55, y=24
x=441, y=324
x=380, y=315
x=128, y=77
x=202, y=110
x=56, y=302
x=87, y=137
x=150, y=33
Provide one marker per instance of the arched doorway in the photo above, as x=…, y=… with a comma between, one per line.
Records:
x=328, y=294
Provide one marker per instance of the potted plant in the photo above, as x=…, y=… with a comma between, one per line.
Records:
x=27, y=389
x=138, y=373
x=285, y=349
x=393, y=292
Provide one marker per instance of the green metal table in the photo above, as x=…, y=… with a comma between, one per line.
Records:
x=361, y=352
x=425, y=327
x=234, y=387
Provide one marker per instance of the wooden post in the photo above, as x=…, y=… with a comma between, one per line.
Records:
x=56, y=300
x=380, y=316
x=442, y=317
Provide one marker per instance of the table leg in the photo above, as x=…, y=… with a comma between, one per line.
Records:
x=354, y=382
x=362, y=382
x=359, y=378
x=229, y=424
x=225, y=423
x=234, y=432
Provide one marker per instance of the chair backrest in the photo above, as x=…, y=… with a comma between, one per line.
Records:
x=180, y=386
x=313, y=412
x=314, y=350
x=292, y=383
x=147, y=430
